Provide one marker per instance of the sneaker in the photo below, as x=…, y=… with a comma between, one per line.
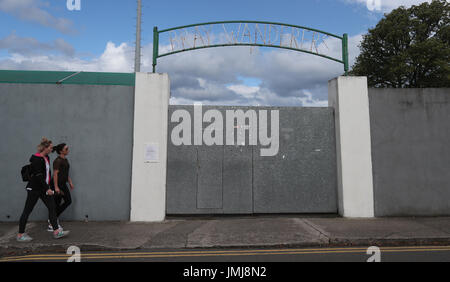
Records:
x=61, y=233
x=50, y=227
x=24, y=238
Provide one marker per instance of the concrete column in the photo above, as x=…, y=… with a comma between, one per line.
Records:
x=350, y=99
x=148, y=184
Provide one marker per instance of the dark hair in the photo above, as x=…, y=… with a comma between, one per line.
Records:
x=59, y=148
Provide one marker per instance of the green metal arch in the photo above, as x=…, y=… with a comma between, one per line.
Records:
x=344, y=40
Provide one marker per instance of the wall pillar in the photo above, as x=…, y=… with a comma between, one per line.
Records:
x=148, y=184
x=350, y=99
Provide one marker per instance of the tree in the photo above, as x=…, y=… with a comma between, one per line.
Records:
x=408, y=48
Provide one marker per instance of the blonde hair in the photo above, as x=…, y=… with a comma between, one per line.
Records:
x=45, y=143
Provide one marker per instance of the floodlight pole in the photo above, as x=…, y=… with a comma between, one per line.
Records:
x=137, y=53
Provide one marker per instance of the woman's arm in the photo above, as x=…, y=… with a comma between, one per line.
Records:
x=39, y=174
x=70, y=183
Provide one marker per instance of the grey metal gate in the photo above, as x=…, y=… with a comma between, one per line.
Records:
x=236, y=179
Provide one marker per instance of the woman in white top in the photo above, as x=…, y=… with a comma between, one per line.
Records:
x=39, y=188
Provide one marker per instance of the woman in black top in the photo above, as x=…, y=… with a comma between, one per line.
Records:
x=61, y=178
x=39, y=188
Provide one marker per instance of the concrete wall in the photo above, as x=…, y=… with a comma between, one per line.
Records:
x=394, y=162
x=410, y=131
x=96, y=121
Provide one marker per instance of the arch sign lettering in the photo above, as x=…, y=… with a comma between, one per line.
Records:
x=248, y=33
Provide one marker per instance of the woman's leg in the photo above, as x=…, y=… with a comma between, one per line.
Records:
x=58, y=199
x=49, y=202
x=67, y=200
x=32, y=197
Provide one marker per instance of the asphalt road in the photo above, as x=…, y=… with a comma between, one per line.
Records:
x=349, y=254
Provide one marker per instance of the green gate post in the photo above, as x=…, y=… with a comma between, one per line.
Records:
x=345, y=52
x=155, y=46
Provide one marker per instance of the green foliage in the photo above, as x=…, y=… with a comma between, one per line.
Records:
x=408, y=48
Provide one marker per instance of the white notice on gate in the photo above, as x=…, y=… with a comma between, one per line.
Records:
x=151, y=154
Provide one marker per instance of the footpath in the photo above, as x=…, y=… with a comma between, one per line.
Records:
x=230, y=232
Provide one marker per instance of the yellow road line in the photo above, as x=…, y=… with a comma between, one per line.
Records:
x=194, y=255
x=243, y=251
x=207, y=251
x=221, y=253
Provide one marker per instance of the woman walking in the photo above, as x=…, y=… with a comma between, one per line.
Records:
x=60, y=179
x=39, y=188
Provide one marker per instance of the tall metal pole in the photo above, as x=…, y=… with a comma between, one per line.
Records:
x=137, y=53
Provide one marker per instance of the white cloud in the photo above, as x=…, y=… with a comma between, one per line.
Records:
x=244, y=90
x=387, y=5
x=287, y=78
x=30, y=10
x=28, y=45
x=114, y=59
x=216, y=75
x=205, y=92
x=309, y=101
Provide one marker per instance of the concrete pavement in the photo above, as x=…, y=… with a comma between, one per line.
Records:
x=235, y=231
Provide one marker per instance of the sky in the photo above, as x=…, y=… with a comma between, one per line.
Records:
x=46, y=35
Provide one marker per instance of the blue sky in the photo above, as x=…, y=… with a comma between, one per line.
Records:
x=44, y=34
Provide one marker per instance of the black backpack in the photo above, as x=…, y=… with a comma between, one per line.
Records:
x=26, y=173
